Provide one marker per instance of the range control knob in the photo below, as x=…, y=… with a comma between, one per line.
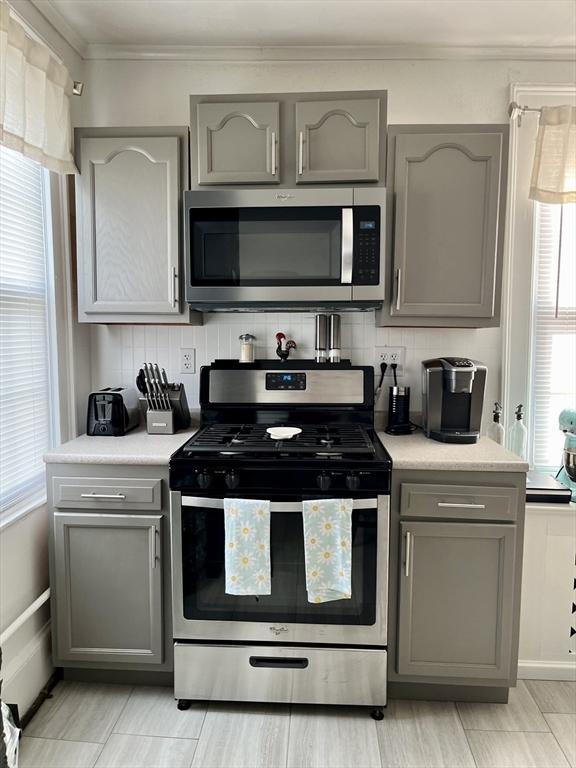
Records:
x=323, y=481
x=352, y=482
x=232, y=479
x=204, y=479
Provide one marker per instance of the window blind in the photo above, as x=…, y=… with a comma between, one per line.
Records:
x=24, y=358
x=554, y=331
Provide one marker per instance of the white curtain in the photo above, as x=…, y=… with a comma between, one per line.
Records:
x=554, y=170
x=35, y=92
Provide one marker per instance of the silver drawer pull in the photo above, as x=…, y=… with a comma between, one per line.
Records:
x=454, y=505
x=103, y=496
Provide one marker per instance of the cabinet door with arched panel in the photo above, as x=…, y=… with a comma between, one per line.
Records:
x=128, y=196
x=238, y=142
x=337, y=140
x=448, y=227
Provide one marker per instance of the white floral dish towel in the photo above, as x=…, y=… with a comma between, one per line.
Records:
x=328, y=549
x=247, y=544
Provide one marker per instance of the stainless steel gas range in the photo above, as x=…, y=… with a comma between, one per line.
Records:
x=280, y=647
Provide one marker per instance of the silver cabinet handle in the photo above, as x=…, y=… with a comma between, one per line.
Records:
x=273, y=153
x=174, y=287
x=407, y=559
x=347, y=246
x=152, y=540
x=398, y=288
x=454, y=505
x=300, y=153
x=119, y=496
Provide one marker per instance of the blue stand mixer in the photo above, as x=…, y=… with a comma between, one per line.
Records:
x=567, y=474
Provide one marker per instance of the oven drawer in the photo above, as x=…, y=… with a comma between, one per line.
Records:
x=460, y=502
x=280, y=674
x=125, y=493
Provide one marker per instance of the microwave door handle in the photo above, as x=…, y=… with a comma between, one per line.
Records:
x=347, y=245
x=273, y=153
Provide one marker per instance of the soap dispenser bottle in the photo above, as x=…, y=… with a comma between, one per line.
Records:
x=495, y=429
x=519, y=434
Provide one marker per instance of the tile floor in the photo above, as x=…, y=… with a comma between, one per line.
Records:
x=85, y=725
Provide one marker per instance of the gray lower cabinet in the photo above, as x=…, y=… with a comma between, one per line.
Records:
x=456, y=600
x=108, y=587
x=238, y=142
x=446, y=226
x=129, y=234
x=337, y=140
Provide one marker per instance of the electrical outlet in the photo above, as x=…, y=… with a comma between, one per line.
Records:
x=391, y=355
x=187, y=361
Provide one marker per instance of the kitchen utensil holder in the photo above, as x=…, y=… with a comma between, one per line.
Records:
x=160, y=422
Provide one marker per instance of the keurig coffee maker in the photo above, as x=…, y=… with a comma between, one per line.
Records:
x=452, y=399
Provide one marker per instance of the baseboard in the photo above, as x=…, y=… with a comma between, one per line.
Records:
x=547, y=670
x=28, y=672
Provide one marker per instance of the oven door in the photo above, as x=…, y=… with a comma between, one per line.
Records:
x=203, y=611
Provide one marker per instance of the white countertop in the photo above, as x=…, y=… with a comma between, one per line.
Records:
x=136, y=447
x=416, y=451
x=407, y=452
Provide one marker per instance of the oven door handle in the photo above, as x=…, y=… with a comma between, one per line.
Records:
x=275, y=506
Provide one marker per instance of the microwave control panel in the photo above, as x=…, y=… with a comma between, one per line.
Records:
x=366, y=245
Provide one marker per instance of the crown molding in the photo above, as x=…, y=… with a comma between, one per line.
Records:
x=64, y=29
x=105, y=52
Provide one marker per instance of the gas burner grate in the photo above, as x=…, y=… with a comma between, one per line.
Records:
x=253, y=438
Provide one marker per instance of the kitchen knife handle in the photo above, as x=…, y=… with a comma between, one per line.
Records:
x=300, y=153
x=273, y=153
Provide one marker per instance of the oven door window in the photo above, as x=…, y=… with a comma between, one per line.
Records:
x=204, y=583
x=266, y=246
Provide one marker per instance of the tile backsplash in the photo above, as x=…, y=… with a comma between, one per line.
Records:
x=118, y=351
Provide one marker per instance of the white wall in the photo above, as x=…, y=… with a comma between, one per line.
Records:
x=117, y=351
x=157, y=93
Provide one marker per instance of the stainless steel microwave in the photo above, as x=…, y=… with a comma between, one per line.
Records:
x=285, y=248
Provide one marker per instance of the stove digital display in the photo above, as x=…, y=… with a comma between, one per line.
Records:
x=281, y=381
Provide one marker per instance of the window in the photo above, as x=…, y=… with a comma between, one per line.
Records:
x=27, y=414
x=553, y=357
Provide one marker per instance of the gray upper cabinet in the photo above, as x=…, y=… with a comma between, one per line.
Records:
x=337, y=140
x=456, y=598
x=238, y=143
x=128, y=198
x=446, y=231
x=108, y=588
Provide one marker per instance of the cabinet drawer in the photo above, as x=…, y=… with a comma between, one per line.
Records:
x=280, y=674
x=107, y=493
x=462, y=502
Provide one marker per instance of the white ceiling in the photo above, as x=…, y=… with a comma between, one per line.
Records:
x=269, y=23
